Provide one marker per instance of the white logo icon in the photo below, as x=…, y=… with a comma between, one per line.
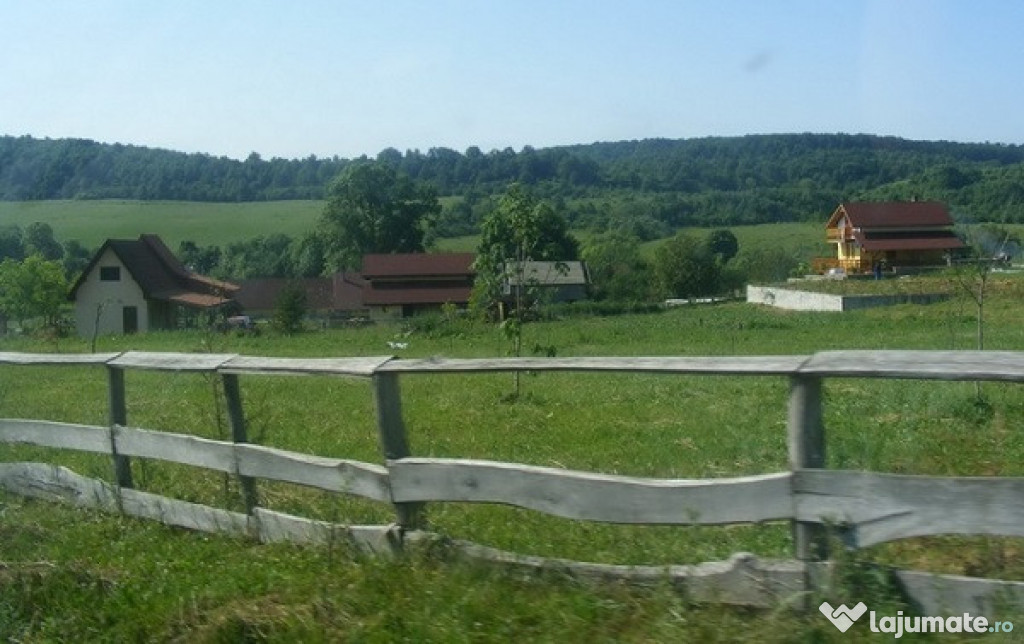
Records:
x=842, y=617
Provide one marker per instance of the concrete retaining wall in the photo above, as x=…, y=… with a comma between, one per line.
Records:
x=809, y=301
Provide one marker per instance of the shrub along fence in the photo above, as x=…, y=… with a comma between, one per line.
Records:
x=862, y=508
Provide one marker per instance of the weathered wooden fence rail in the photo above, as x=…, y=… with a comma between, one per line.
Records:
x=867, y=508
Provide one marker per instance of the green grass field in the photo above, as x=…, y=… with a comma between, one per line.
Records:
x=92, y=222
x=68, y=574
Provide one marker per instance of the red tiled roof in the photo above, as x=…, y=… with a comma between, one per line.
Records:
x=341, y=292
x=894, y=214
x=417, y=264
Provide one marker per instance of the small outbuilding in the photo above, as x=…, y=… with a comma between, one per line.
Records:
x=138, y=285
x=550, y=281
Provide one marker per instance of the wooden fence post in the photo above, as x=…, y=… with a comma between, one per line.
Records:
x=236, y=420
x=118, y=415
x=807, y=450
x=393, y=441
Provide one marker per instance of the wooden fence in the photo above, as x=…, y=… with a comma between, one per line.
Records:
x=867, y=508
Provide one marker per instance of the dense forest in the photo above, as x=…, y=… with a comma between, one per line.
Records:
x=648, y=187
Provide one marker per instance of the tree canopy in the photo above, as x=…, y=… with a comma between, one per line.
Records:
x=652, y=186
x=34, y=288
x=521, y=228
x=372, y=208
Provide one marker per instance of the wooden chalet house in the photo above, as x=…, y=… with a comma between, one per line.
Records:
x=889, y=234
x=137, y=285
x=403, y=284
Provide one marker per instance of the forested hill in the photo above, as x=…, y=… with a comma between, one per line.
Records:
x=665, y=183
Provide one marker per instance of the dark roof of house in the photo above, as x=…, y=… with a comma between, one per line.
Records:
x=893, y=214
x=340, y=292
x=160, y=275
x=417, y=265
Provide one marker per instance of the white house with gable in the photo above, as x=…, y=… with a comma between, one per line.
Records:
x=138, y=285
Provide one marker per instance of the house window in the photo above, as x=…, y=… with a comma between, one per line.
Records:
x=110, y=273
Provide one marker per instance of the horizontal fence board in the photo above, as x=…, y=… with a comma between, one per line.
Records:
x=57, y=483
x=748, y=365
x=183, y=514
x=372, y=539
x=11, y=357
x=364, y=366
x=87, y=438
x=335, y=475
x=886, y=507
x=177, y=448
x=935, y=594
x=167, y=361
x=925, y=365
x=741, y=580
x=594, y=497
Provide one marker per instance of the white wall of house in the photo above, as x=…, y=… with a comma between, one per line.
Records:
x=109, y=298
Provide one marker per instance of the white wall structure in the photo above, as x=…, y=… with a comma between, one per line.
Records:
x=100, y=304
x=796, y=300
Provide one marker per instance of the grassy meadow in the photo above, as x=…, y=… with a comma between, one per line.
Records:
x=69, y=574
x=93, y=221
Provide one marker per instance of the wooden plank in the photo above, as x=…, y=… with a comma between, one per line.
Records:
x=952, y=595
x=391, y=430
x=183, y=514
x=55, y=359
x=167, y=361
x=117, y=414
x=885, y=507
x=56, y=483
x=331, y=474
x=724, y=365
x=362, y=366
x=370, y=539
x=806, y=444
x=926, y=365
x=594, y=497
x=236, y=419
x=176, y=448
x=742, y=580
x=86, y=438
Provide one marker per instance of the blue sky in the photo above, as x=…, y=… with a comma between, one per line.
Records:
x=335, y=77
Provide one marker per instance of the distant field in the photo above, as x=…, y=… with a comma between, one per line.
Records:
x=92, y=222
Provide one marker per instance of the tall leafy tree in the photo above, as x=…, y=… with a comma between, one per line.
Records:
x=11, y=244
x=685, y=267
x=723, y=244
x=519, y=229
x=618, y=271
x=39, y=240
x=372, y=208
x=35, y=288
x=76, y=258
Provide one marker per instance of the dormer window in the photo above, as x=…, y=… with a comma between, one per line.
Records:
x=110, y=273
